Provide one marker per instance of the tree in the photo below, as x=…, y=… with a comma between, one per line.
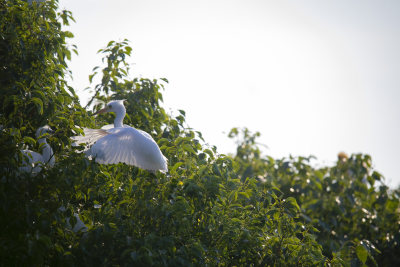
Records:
x=209, y=209
x=33, y=67
x=355, y=213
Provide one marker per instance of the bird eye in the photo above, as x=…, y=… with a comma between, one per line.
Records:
x=109, y=106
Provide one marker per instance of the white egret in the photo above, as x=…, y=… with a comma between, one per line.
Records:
x=122, y=143
x=33, y=161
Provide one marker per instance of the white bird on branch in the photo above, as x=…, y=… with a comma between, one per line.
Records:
x=33, y=161
x=122, y=144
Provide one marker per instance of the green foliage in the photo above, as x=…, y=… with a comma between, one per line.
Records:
x=142, y=95
x=208, y=210
x=357, y=216
x=33, y=65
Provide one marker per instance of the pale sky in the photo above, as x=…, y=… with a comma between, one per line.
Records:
x=313, y=77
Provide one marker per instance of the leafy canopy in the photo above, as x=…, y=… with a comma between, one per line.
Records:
x=208, y=210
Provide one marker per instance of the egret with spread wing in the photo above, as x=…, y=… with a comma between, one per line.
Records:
x=122, y=143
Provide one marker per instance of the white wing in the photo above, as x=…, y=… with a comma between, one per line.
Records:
x=90, y=137
x=131, y=146
x=107, y=126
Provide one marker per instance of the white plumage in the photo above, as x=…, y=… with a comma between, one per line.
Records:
x=122, y=144
x=33, y=161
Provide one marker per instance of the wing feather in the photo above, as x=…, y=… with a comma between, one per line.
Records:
x=131, y=146
x=90, y=136
x=107, y=126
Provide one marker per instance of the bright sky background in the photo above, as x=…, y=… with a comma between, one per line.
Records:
x=313, y=77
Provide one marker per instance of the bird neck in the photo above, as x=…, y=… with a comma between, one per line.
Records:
x=47, y=152
x=119, y=118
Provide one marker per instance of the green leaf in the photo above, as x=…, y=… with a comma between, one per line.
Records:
x=362, y=253
x=110, y=43
x=91, y=77
x=244, y=194
x=188, y=148
x=209, y=152
x=29, y=140
x=291, y=204
x=38, y=103
x=176, y=166
x=128, y=50
x=69, y=34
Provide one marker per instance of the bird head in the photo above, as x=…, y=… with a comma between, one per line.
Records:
x=44, y=130
x=113, y=106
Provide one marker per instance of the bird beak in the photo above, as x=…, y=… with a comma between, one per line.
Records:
x=100, y=111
